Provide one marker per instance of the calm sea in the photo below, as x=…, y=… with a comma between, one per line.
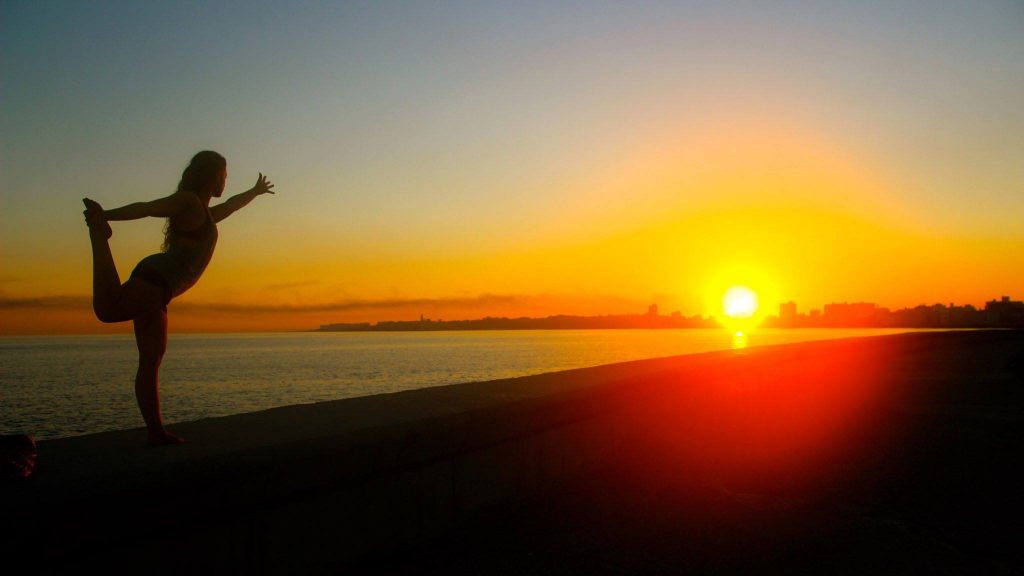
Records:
x=59, y=386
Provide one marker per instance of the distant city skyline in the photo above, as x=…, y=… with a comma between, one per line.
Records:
x=997, y=313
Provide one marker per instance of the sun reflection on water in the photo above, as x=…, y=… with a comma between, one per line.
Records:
x=739, y=340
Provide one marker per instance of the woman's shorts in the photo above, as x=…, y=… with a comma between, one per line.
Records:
x=148, y=269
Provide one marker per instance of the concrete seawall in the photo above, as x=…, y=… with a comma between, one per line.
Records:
x=304, y=489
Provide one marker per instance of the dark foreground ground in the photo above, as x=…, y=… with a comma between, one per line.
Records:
x=894, y=454
x=935, y=489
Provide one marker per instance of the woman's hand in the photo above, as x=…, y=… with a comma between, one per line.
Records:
x=96, y=219
x=239, y=201
x=263, y=186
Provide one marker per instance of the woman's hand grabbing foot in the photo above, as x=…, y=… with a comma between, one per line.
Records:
x=96, y=219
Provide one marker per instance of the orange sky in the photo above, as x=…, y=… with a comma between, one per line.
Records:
x=460, y=165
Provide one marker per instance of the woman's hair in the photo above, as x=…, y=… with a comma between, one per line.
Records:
x=204, y=169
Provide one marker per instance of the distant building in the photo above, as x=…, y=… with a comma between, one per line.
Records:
x=787, y=313
x=965, y=316
x=855, y=314
x=1004, y=312
x=652, y=310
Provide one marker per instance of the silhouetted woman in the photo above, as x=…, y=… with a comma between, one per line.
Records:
x=189, y=239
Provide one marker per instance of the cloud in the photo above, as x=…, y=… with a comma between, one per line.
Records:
x=484, y=300
x=46, y=302
x=290, y=285
x=483, y=304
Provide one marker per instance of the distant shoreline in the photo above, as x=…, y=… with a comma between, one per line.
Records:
x=1003, y=313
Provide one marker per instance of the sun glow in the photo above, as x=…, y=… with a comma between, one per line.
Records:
x=739, y=303
x=740, y=312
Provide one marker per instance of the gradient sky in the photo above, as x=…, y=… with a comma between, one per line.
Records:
x=470, y=159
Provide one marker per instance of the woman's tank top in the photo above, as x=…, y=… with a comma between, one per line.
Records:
x=192, y=249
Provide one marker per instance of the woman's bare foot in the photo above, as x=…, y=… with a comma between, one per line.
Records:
x=94, y=218
x=163, y=437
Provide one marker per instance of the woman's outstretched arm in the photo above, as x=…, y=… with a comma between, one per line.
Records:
x=160, y=208
x=239, y=201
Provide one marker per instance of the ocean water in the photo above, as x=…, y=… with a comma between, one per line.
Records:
x=57, y=386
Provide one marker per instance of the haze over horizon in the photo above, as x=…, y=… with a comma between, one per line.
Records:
x=481, y=159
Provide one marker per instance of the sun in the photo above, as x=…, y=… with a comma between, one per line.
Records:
x=739, y=303
x=739, y=295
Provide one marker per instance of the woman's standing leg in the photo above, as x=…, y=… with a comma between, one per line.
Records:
x=151, y=338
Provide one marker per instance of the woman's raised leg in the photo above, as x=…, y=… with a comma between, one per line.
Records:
x=106, y=283
x=151, y=338
x=111, y=301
